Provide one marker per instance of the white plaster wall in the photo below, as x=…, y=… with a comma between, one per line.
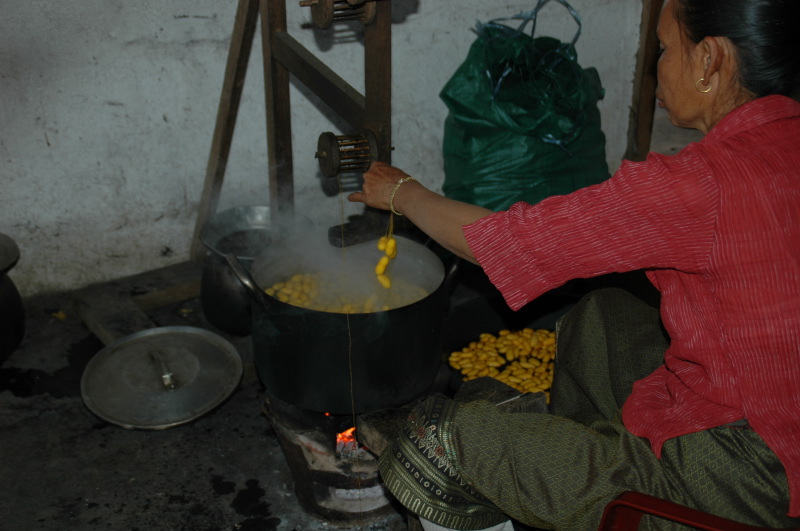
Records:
x=107, y=110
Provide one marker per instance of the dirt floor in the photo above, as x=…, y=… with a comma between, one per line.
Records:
x=65, y=468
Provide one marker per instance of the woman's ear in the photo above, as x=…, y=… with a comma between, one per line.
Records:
x=712, y=52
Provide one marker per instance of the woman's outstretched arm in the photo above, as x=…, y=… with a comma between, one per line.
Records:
x=439, y=217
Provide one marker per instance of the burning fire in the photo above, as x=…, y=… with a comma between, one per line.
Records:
x=346, y=437
x=347, y=445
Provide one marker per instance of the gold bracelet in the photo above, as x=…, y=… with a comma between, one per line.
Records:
x=394, y=191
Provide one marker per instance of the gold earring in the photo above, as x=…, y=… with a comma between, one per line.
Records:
x=697, y=85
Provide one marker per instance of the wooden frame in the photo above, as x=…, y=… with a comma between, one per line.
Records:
x=284, y=57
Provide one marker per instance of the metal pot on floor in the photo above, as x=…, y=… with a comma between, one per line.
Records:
x=243, y=231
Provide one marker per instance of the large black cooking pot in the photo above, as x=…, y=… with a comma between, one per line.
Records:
x=340, y=363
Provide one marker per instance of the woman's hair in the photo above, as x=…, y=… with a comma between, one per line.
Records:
x=766, y=34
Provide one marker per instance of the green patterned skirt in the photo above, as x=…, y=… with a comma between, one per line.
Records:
x=469, y=464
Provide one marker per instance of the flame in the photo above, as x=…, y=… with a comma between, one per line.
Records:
x=347, y=436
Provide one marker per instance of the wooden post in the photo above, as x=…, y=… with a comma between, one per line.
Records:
x=279, y=119
x=239, y=53
x=378, y=78
x=640, y=125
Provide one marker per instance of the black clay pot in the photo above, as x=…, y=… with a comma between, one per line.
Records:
x=12, y=312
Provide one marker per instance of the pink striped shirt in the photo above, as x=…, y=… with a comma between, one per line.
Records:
x=717, y=227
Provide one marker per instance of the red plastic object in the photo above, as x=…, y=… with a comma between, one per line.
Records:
x=625, y=512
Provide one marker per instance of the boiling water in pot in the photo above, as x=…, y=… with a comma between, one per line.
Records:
x=327, y=293
x=342, y=280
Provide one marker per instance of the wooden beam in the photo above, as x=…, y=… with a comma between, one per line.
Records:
x=320, y=79
x=279, y=119
x=238, y=55
x=640, y=124
x=378, y=78
x=118, y=308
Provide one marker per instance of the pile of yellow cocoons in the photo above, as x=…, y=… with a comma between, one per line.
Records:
x=522, y=359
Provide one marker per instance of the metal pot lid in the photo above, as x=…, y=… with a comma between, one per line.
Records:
x=161, y=377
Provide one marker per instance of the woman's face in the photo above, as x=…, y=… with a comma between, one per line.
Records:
x=677, y=72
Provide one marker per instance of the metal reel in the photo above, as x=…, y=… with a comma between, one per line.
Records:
x=346, y=153
x=325, y=12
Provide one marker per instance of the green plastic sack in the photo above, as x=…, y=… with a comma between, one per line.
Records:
x=523, y=122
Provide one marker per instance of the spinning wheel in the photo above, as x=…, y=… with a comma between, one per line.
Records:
x=284, y=56
x=326, y=12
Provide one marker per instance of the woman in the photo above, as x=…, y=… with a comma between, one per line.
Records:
x=713, y=418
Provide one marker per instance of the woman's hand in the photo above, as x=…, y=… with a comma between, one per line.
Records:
x=437, y=216
x=379, y=181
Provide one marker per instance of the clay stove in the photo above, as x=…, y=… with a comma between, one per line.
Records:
x=335, y=478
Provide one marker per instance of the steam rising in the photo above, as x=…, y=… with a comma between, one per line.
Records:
x=347, y=274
